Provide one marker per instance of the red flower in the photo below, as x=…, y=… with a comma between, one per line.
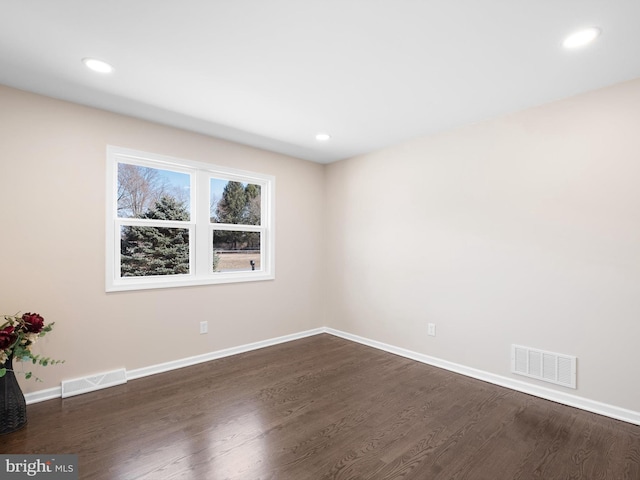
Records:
x=6, y=337
x=34, y=322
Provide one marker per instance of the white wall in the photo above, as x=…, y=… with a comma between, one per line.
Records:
x=525, y=229
x=52, y=244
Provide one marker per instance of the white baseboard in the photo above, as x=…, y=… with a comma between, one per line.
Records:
x=227, y=352
x=42, y=395
x=612, y=411
x=582, y=403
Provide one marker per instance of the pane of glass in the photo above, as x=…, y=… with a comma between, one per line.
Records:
x=145, y=192
x=234, y=202
x=146, y=251
x=235, y=251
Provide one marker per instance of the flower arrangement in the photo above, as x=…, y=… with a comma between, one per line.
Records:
x=17, y=336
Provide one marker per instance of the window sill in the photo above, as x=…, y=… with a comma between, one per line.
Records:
x=145, y=283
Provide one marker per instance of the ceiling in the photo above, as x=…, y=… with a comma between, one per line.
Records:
x=273, y=73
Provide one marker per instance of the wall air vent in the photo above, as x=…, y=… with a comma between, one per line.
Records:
x=546, y=366
x=94, y=382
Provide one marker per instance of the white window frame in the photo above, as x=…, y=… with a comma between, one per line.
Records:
x=200, y=227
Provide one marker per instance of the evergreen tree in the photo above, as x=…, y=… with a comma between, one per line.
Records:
x=156, y=250
x=232, y=205
x=239, y=204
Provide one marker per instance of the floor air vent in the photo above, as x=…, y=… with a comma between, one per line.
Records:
x=95, y=382
x=547, y=366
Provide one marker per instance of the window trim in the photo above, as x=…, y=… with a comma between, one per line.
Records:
x=200, y=227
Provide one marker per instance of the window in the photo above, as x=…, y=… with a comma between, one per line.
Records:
x=173, y=222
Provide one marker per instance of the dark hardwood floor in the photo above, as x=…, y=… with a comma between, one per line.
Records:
x=325, y=408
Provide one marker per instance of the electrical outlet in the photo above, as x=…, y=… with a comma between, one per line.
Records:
x=204, y=327
x=431, y=329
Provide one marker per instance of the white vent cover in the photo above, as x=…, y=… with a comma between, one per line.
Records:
x=95, y=382
x=547, y=366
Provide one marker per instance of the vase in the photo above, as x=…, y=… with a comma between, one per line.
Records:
x=13, y=408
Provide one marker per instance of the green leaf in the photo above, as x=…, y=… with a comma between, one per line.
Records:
x=3, y=372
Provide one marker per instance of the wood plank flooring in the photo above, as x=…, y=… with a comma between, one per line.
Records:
x=325, y=408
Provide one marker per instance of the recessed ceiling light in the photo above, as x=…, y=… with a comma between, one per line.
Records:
x=323, y=137
x=97, y=65
x=581, y=37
